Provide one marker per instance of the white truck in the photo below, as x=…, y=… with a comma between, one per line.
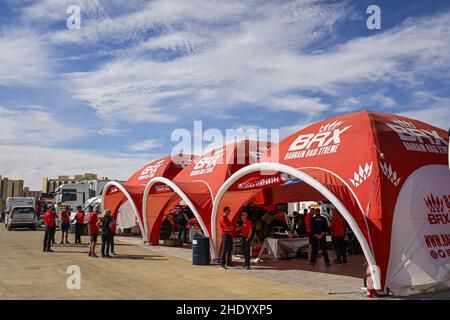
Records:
x=20, y=213
x=76, y=194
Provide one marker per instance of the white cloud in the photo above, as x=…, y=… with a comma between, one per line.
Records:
x=31, y=163
x=257, y=55
x=145, y=145
x=286, y=131
x=297, y=103
x=34, y=125
x=437, y=114
x=111, y=131
x=185, y=42
x=44, y=12
x=144, y=15
x=24, y=58
x=237, y=47
x=222, y=54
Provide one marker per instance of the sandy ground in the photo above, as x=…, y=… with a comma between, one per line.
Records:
x=137, y=273
x=142, y=272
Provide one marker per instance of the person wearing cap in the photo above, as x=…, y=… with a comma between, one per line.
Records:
x=105, y=223
x=93, y=231
x=50, y=227
x=246, y=233
x=65, y=224
x=79, y=223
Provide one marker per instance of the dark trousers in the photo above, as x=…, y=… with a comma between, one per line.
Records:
x=246, y=250
x=182, y=231
x=106, y=243
x=49, y=234
x=322, y=243
x=340, y=248
x=78, y=231
x=112, y=243
x=227, y=247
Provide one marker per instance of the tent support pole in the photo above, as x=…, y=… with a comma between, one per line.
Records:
x=127, y=195
x=183, y=196
x=271, y=167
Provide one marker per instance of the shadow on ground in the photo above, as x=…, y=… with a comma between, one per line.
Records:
x=139, y=257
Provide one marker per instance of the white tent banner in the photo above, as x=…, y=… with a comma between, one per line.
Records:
x=420, y=241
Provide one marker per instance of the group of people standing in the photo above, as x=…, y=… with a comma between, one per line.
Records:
x=317, y=228
x=315, y=225
x=227, y=229
x=105, y=225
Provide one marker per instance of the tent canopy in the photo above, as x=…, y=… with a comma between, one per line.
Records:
x=383, y=172
x=199, y=182
x=116, y=194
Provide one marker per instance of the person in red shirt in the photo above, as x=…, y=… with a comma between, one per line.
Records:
x=93, y=230
x=79, y=223
x=65, y=224
x=246, y=232
x=50, y=227
x=338, y=227
x=308, y=218
x=227, y=237
x=194, y=228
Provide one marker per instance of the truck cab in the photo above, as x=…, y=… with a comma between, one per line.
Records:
x=76, y=194
x=71, y=195
x=20, y=213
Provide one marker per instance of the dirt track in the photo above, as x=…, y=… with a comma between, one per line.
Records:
x=137, y=273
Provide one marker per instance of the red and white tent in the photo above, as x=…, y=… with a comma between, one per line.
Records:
x=197, y=185
x=115, y=194
x=388, y=176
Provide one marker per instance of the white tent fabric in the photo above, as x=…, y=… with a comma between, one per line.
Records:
x=420, y=242
x=126, y=217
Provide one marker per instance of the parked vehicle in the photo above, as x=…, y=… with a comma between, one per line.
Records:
x=76, y=194
x=95, y=202
x=169, y=224
x=20, y=213
x=43, y=203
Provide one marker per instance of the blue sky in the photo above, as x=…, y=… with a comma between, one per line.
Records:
x=107, y=97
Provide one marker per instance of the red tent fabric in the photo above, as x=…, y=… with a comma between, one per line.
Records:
x=389, y=175
x=116, y=194
x=200, y=181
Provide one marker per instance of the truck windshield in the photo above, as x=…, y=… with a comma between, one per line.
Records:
x=23, y=211
x=69, y=197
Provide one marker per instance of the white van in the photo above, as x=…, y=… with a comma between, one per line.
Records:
x=20, y=213
x=94, y=202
